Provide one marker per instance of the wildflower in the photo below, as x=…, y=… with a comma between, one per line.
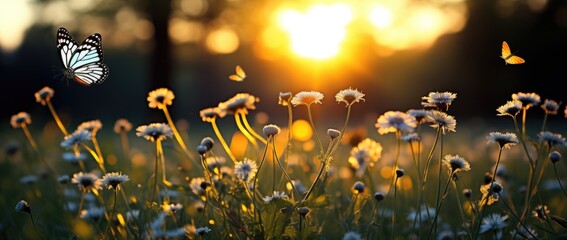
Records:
x=552, y=139
x=171, y=207
x=420, y=115
x=23, y=206
x=76, y=138
x=284, y=98
x=443, y=121
x=214, y=162
x=245, y=170
x=527, y=99
x=550, y=107
x=366, y=153
x=352, y=235
x=160, y=98
x=378, y=196
x=511, y=108
x=541, y=212
x=271, y=130
x=275, y=196
x=399, y=172
x=209, y=114
x=202, y=231
x=20, y=119
x=86, y=181
x=333, y=133
x=208, y=142
x=490, y=195
x=411, y=137
x=358, y=187
x=122, y=125
x=73, y=158
x=467, y=192
x=240, y=102
x=456, y=164
x=439, y=100
x=504, y=140
x=90, y=126
x=555, y=156
x=196, y=186
x=494, y=223
x=393, y=121
x=154, y=131
x=349, y=96
x=93, y=213
x=303, y=211
x=307, y=98
x=111, y=180
x=44, y=95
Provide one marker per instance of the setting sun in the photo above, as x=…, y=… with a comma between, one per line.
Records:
x=318, y=32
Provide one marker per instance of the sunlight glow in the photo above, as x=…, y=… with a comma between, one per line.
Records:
x=222, y=41
x=12, y=32
x=302, y=130
x=317, y=33
x=380, y=17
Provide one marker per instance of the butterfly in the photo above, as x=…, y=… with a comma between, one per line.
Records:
x=508, y=56
x=83, y=63
x=239, y=76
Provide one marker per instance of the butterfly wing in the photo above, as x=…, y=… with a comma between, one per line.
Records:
x=508, y=56
x=66, y=45
x=94, y=73
x=239, y=76
x=515, y=60
x=90, y=51
x=505, y=50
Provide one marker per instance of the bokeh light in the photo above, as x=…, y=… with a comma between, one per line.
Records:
x=301, y=130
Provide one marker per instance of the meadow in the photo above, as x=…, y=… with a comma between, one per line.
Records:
x=409, y=174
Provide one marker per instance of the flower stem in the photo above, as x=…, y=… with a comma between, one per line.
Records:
x=250, y=129
x=244, y=131
x=440, y=204
x=158, y=146
x=313, y=126
x=516, y=216
x=111, y=214
x=56, y=117
x=223, y=142
x=35, y=228
x=559, y=179
x=178, y=137
x=483, y=205
x=99, y=161
x=276, y=159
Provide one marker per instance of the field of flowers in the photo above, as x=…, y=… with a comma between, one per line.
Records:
x=410, y=174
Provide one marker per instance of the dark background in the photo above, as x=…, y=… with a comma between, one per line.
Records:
x=466, y=62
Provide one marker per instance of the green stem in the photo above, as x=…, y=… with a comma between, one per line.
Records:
x=178, y=137
x=314, y=129
x=222, y=141
x=35, y=228
x=483, y=206
x=559, y=180
x=250, y=129
x=440, y=204
x=111, y=214
x=516, y=216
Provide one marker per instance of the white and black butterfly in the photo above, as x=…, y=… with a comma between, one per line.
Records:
x=83, y=63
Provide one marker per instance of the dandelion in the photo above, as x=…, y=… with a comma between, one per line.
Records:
x=245, y=170
x=443, y=121
x=76, y=138
x=275, y=196
x=22, y=120
x=210, y=115
x=504, y=140
x=112, y=180
x=439, y=100
x=44, y=96
x=494, y=223
x=511, y=108
x=528, y=99
x=349, y=96
x=307, y=98
x=552, y=139
x=395, y=121
x=366, y=153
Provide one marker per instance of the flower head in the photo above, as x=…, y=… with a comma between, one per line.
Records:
x=420, y=115
x=76, y=138
x=91, y=126
x=511, y=108
x=528, y=99
x=277, y=195
x=333, y=133
x=160, y=98
x=202, y=231
x=307, y=98
x=393, y=121
x=439, y=100
x=197, y=186
x=366, y=153
x=504, y=140
x=550, y=107
x=240, y=102
x=552, y=139
x=86, y=181
x=359, y=187
x=122, y=125
x=494, y=224
x=490, y=192
x=23, y=206
x=44, y=95
x=349, y=96
x=210, y=114
x=154, y=131
x=284, y=98
x=245, y=170
x=73, y=158
x=541, y=212
x=411, y=137
x=456, y=163
x=170, y=207
x=111, y=180
x=20, y=119
x=443, y=121
x=271, y=130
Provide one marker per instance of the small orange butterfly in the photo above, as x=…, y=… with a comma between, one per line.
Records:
x=239, y=76
x=508, y=56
